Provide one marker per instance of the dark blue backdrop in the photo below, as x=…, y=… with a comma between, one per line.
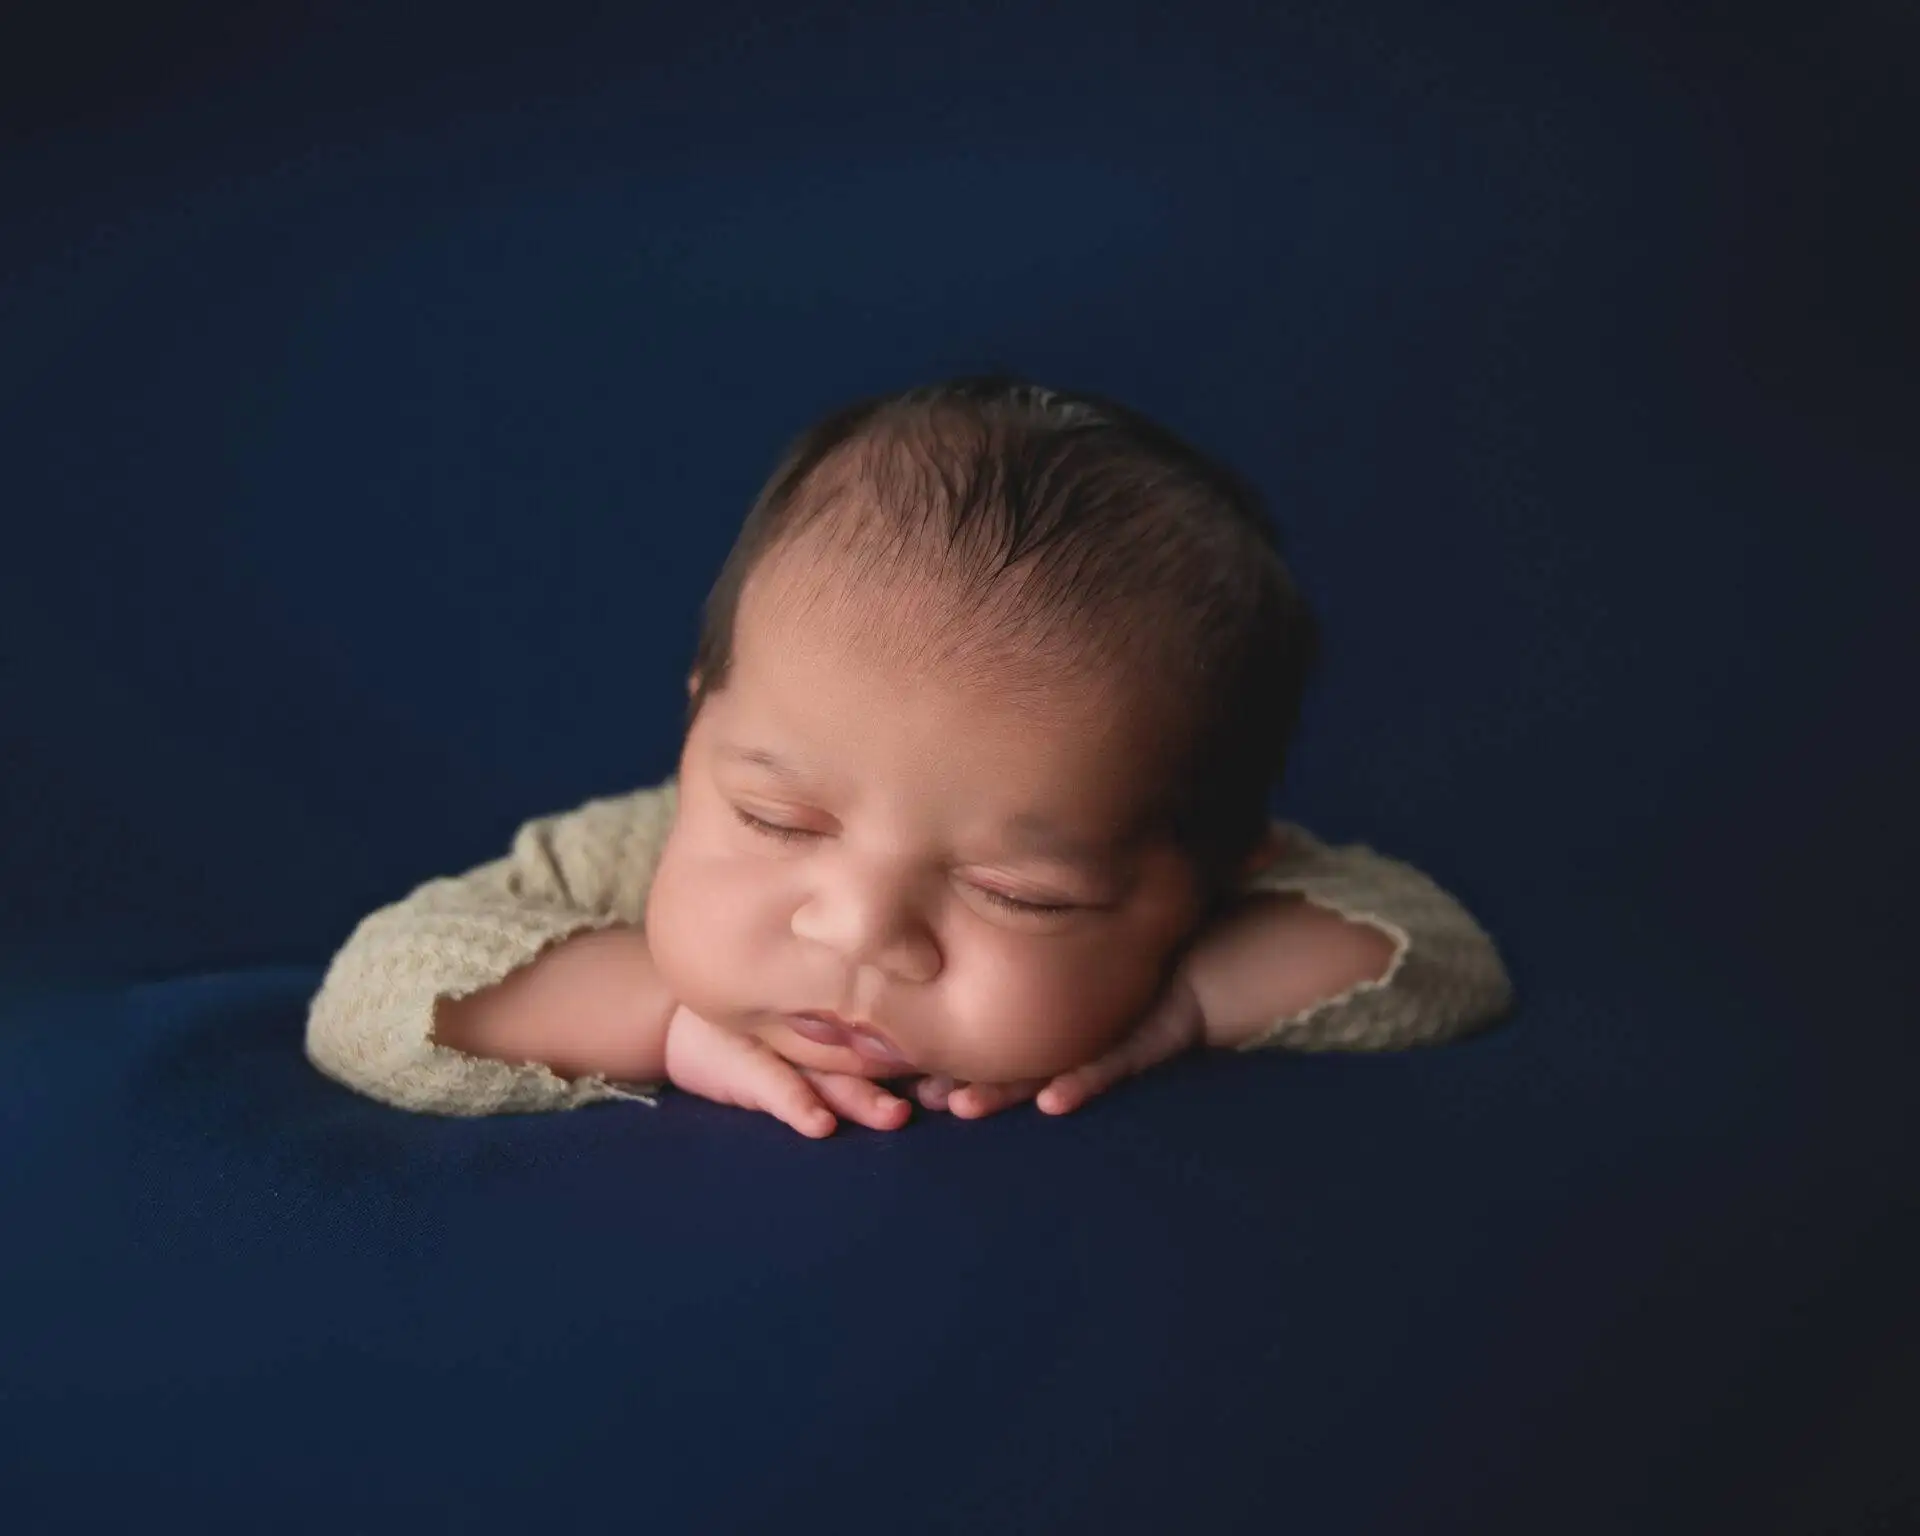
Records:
x=380, y=393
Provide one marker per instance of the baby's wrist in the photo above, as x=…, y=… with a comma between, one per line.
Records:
x=1274, y=957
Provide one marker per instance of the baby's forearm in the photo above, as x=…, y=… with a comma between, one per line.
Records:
x=594, y=1003
x=1275, y=955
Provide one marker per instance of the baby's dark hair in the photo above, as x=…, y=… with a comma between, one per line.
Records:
x=1096, y=541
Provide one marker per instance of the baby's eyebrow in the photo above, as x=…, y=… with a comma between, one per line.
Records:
x=759, y=757
x=1031, y=833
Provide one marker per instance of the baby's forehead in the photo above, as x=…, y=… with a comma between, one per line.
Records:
x=977, y=672
x=922, y=615
x=831, y=601
x=1038, y=734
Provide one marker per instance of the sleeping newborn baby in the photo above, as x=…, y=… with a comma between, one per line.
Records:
x=970, y=810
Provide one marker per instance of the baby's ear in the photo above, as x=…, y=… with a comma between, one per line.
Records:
x=693, y=681
x=1270, y=850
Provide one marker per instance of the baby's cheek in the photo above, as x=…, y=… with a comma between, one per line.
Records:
x=686, y=951
x=1039, y=1024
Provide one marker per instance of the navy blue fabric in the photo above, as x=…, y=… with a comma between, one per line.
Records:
x=378, y=398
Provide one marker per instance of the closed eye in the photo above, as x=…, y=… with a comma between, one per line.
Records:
x=1014, y=904
x=785, y=834
x=797, y=834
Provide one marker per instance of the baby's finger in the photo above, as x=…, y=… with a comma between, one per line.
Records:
x=781, y=1090
x=975, y=1100
x=1148, y=1047
x=1070, y=1090
x=861, y=1100
x=934, y=1091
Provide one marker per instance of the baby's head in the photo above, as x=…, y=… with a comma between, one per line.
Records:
x=988, y=701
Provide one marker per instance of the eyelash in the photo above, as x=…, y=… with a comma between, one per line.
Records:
x=1011, y=904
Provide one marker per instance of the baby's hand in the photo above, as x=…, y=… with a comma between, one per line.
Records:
x=728, y=1068
x=1172, y=1026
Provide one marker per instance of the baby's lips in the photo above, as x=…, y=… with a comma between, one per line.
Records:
x=869, y=1045
x=817, y=1029
x=877, y=1050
